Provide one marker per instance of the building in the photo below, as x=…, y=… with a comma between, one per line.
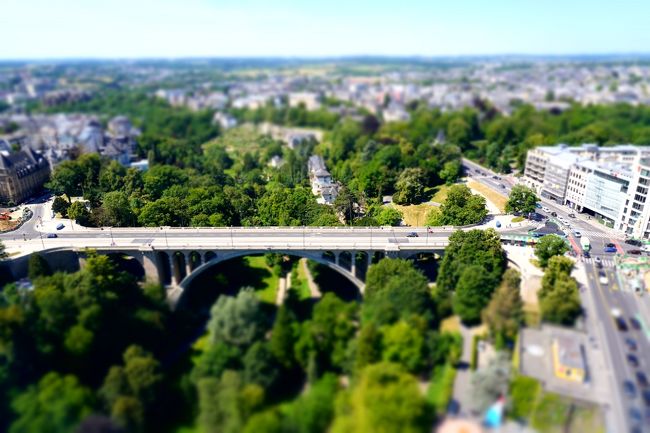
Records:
x=568, y=359
x=22, y=173
x=321, y=180
x=311, y=101
x=606, y=182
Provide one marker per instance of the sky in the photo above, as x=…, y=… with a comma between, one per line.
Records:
x=50, y=29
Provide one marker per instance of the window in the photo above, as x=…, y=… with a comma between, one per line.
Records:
x=637, y=206
x=639, y=198
x=642, y=190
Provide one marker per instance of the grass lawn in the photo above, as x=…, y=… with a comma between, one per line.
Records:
x=299, y=280
x=450, y=324
x=440, y=193
x=551, y=414
x=498, y=199
x=414, y=215
x=267, y=288
x=518, y=219
x=532, y=315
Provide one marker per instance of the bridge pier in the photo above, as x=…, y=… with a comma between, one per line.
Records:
x=188, y=263
x=353, y=263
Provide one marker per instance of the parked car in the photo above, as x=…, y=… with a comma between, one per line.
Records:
x=632, y=360
x=52, y=235
x=412, y=235
x=609, y=249
x=646, y=397
x=553, y=214
x=60, y=226
x=502, y=186
x=642, y=379
x=620, y=324
x=635, y=242
x=631, y=344
x=635, y=323
x=572, y=215
x=635, y=252
x=629, y=389
x=546, y=209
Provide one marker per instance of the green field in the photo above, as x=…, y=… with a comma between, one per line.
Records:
x=267, y=285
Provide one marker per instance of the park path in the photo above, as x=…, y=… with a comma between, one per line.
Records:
x=462, y=384
x=313, y=287
x=284, y=283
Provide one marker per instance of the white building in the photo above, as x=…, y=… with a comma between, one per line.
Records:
x=610, y=183
x=321, y=181
x=311, y=101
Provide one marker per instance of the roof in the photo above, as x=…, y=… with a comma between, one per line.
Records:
x=569, y=351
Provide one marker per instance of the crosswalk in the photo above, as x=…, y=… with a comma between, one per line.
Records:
x=607, y=263
x=594, y=234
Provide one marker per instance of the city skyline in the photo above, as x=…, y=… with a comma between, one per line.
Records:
x=200, y=28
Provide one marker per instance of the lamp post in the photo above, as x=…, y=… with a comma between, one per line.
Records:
x=112, y=240
x=41, y=235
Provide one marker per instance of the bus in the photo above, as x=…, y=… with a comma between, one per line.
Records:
x=584, y=242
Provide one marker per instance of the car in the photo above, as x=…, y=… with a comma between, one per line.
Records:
x=632, y=360
x=572, y=215
x=602, y=277
x=553, y=214
x=60, y=226
x=412, y=235
x=538, y=206
x=635, y=414
x=586, y=254
x=597, y=259
x=599, y=264
x=635, y=323
x=635, y=252
x=577, y=233
x=52, y=235
x=620, y=324
x=498, y=224
x=609, y=249
x=631, y=344
x=610, y=244
x=629, y=389
x=646, y=397
x=642, y=379
x=495, y=177
x=502, y=186
x=635, y=242
x=546, y=209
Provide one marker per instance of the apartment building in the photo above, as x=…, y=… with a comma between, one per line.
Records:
x=605, y=182
x=321, y=181
x=22, y=174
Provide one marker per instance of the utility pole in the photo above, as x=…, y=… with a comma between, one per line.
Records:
x=111, y=231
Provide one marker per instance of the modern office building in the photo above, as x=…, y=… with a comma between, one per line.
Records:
x=605, y=182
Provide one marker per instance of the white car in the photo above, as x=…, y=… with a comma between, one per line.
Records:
x=603, y=280
x=577, y=234
x=545, y=209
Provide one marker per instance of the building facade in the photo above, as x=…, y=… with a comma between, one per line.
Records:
x=22, y=174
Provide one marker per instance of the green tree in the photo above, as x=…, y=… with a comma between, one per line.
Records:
x=450, y=172
x=37, y=266
x=504, y=314
x=549, y=246
x=461, y=207
x=56, y=404
x=60, y=206
x=237, y=320
x=468, y=248
x=79, y=213
x=403, y=343
x=261, y=367
x=368, y=346
x=473, y=291
x=521, y=199
x=3, y=254
x=385, y=399
x=395, y=289
x=283, y=337
x=389, y=216
x=410, y=185
x=559, y=298
x=117, y=210
x=345, y=203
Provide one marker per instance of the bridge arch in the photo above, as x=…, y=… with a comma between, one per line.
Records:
x=215, y=259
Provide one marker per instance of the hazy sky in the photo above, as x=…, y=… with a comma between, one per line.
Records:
x=187, y=28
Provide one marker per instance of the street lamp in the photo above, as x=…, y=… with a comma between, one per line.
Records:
x=111, y=231
x=41, y=235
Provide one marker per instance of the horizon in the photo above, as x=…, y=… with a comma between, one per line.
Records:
x=164, y=29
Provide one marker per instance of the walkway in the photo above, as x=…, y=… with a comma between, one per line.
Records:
x=313, y=287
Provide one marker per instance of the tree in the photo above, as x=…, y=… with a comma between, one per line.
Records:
x=491, y=382
x=324, y=339
x=117, y=210
x=473, y=291
x=504, y=313
x=450, y=172
x=559, y=298
x=467, y=248
x=389, y=216
x=409, y=188
x=261, y=367
x=403, y=343
x=283, y=337
x=56, y=404
x=60, y=206
x=345, y=203
x=549, y=246
x=522, y=199
x=395, y=289
x=237, y=320
x=461, y=207
x=79, y=213
x=3, y=254
x=385, y=399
